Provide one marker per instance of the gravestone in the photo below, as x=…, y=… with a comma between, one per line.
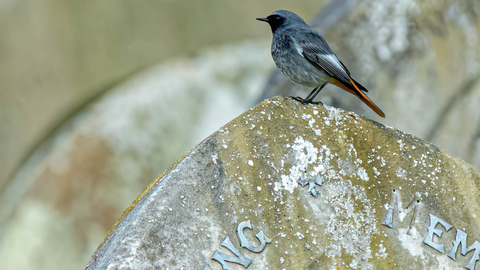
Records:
x=419, y=61
x=292, y=186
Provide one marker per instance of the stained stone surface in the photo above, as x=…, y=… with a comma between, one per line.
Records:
x=420, y=61
x=56, y=56
x=265, y=166
x=74, y=187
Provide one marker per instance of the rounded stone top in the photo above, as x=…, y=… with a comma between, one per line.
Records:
x=292, y=186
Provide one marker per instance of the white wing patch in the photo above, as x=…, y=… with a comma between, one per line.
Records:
x=298, y=47
x=332, y=59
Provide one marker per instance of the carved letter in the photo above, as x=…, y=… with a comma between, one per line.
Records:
x=247, y=244
x=388, y=219
x=222, y=258
x=431, y=231
x=471, y=264
x=461, y=238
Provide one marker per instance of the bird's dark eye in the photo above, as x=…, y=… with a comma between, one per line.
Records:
x=275, y=21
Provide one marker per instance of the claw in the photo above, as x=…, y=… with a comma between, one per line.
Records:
x=305, y=101
x=299, y=99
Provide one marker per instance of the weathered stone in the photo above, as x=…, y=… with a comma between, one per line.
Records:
x=255, y=171
x=420, y=61
x=73, y=188
x=57, y=56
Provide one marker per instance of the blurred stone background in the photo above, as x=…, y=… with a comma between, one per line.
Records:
x=99, y=97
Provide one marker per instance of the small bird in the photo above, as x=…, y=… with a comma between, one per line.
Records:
x=304, y=56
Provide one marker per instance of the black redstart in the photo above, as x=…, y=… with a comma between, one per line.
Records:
x=304, y=56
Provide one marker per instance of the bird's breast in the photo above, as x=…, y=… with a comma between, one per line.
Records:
x=288, y=56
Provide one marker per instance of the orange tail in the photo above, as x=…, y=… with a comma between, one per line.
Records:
x=357, y=92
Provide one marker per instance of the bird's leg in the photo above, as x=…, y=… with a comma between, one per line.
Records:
x=313, y=94
x=306, y=100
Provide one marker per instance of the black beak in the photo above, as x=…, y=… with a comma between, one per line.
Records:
x=262, y=19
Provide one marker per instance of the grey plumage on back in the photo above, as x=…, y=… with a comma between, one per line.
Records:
x=291, y=60
x=304, y=56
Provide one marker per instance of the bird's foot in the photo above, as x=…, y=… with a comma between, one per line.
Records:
x=305, y=101
x=299, y=99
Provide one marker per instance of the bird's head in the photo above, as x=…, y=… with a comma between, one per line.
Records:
x=282, y=18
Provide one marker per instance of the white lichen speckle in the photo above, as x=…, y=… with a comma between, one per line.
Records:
x=350, y=228
x=412, y=241
x=299, y=235
x=304, y=154
x=401, y=173
x=215, y=158
x=381, y=254
x=311, y=122
x=362, y=174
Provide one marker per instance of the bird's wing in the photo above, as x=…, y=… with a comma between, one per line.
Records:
x=329, y=62
x=316, y=50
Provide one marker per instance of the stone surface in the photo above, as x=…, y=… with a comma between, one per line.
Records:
x=76, y=185
x=56, y=56
x=265, y=166
x=420, y=61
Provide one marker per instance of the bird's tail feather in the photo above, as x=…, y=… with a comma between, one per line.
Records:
x=354, y=89
x=359, y=85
